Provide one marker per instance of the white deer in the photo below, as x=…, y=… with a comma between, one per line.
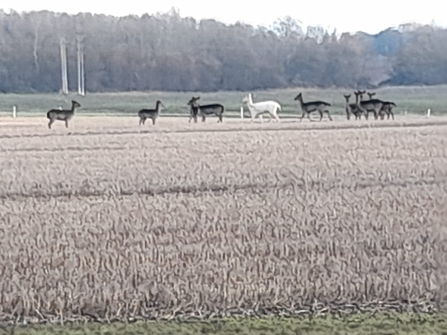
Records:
x=259, y=108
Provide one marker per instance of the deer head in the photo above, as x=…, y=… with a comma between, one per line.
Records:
x=160, y=103
x=193, y=101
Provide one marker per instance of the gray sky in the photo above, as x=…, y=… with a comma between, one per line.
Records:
x=344, y=15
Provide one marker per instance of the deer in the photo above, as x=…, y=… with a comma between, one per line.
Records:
x=312, y=106
x=62, y=114
x=371, y=94
x=387, y=108
x=372, y=105
x=204, y=110
x=352, y=108
x=262, y=107
x=152, y=114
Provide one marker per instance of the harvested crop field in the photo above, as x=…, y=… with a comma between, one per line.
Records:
x=107, y=220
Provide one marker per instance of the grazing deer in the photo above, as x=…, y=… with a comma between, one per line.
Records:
x=262, y=107
x=312, y=106
x=62, y=114
x=204, y=110
x=152, y=114
x=368, y=106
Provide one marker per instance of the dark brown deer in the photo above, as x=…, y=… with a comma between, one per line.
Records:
x=312, y=106
x=352, y=108
x=62, y=114
x=387, y=108
x=204, y=110
x=152, y=114
x=368, y=106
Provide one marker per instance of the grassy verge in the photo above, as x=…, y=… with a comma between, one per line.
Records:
x=414, y=100
x=358, y=324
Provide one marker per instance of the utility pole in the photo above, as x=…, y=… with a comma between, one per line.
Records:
x=80, y=57
x=64, y=73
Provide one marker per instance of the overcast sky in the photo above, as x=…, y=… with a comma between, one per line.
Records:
x=344, y=15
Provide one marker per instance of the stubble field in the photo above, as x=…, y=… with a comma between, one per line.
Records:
x=111, y=221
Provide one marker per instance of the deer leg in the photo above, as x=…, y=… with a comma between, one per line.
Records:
x=301, y=119
x=153, y=121
x=66, y=123
x=321, y=115
x=329, y=115
x=50, y=123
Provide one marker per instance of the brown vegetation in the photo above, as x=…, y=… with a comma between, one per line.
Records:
x=108, y=221
x=169, y=52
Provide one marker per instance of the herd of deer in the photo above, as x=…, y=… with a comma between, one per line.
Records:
x=359, y=108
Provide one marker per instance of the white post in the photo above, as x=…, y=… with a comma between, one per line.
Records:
x=406, y=113
x=242, y=112
x=14, y=111
x=428, y=113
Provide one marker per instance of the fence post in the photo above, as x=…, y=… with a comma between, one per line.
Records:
x=242, y=112
x=428, y=113
x=14, y=111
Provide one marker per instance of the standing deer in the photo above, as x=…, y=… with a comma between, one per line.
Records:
x=262, y=107
x=152, y=114
x=387, y=107
x=312, y=106
x=204, y=110
x=368, y=106
x=62, y=114
x=352, y=108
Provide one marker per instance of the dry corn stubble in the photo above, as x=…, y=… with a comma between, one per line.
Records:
x=156, y=225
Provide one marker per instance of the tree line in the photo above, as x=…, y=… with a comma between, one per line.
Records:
x=172, y=53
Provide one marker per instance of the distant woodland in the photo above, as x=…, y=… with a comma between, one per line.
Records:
x=171, y=53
